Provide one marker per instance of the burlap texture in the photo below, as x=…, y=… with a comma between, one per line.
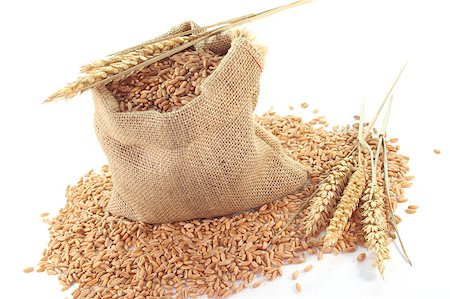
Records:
x=207, y=159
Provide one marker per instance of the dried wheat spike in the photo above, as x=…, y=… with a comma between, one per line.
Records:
x=375, y=225
x=324, y=202
x=99, y=71
x=136, y=56
x=346, y=207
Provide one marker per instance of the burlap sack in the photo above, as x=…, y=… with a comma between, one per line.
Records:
x=207, y=159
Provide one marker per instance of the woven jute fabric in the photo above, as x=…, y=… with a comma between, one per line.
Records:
x=209, y=158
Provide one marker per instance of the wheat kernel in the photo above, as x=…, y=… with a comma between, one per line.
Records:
x=361, y=257
x=295, y=274
x=308, y=268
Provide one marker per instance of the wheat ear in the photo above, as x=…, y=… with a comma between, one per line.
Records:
x=374, y=216
x=375, y=225
x=346, y=207
x=136, y=56
x=109, y=68
x=324, y=201
x=350, y=199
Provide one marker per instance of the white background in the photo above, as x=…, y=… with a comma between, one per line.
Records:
x=331, y=54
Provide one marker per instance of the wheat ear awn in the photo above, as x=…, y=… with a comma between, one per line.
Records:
x=382, y=137
x=374, y=119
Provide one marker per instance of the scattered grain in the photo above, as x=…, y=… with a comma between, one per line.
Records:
x=111, y=257
x=298, y=287
x=295, y=274
x=410, y=211
x=406, y=184
x=308, y=268
x=256, y=284
x=320, y=255
x=361, y=257
x=304, y=105
x=28, y=269
x=45, y=214
x=437, y=152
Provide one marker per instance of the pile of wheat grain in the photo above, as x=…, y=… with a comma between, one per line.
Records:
x=110, y=257
x=167, y=84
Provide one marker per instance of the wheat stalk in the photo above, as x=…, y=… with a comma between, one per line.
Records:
x=183, y=33
x=382, y=142
x=386, y=98
x=324, y=201
x=375, y=224
x=123, y=69
x=374, y=216
x=234, y=22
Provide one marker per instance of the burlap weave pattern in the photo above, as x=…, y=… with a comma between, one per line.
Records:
x=207, y=159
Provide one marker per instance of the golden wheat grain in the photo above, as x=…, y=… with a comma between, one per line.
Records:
x=308, y=268
x=345, y=208
x=361, y=257
x=295, y=274
x=375, y=225
x=107, y=256
x=28, y=269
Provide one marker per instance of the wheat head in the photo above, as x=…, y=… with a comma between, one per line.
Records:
x=138, y=55
x=347, y=205
x=103, y=69
x=375, y=225
x=324, y=202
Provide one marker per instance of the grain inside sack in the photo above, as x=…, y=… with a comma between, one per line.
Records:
x=166, y=85
x=205, y=155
